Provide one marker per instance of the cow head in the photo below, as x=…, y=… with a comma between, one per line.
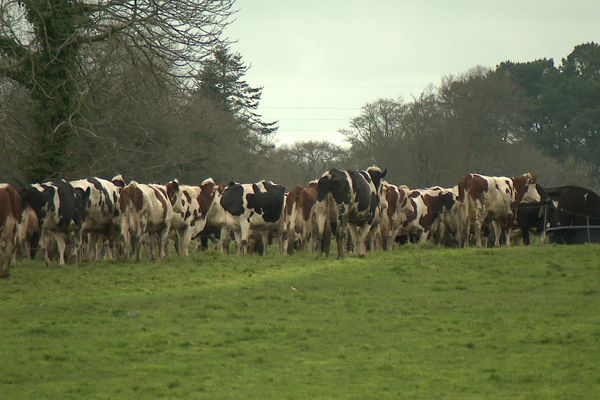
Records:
x=82, y=198
x=376, y=175
x=174, y=194
x=526, y=187
x=118, y=181
x=208, y=190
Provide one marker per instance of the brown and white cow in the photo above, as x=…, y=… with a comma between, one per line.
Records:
x=185, y=222
x=495, y=200
x=10, y=211
x=422, y=214
x=208, y=228
x=118, y=181
x=453, y=219
x=298, y=216
x=393, y=202
x=145, y=210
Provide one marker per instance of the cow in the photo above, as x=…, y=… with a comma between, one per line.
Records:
x=298, y=216
x=393, y=202
x=421, y=216
x=60, y=210
x=185, y=222
x=248, y=208
x=118, y=181
x=575, y=206
x=536, y=215
x=347, y=201
x=145, y=210
x=209, y=228
x=495, y=199
x=102, y=215
x=10, y=212
x=245, y=209
x=453, y=219
x=29, y=232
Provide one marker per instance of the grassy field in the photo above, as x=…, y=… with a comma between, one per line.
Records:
x=512, y=323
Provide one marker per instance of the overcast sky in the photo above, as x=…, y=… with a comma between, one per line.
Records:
x=320, y=61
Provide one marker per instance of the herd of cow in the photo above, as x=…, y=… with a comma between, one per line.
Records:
x=94, y=218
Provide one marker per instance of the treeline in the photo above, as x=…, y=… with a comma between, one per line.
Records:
x=518, y=117
x=123, y=88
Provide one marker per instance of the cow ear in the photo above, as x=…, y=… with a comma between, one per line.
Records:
x=384, y=173
x=87, y=193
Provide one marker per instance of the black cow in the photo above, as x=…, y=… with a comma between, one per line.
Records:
x=537, y=215
x=575, y=206
x=60, y=210
x=347, y=201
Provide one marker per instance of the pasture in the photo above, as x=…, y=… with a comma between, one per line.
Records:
x=415, y=323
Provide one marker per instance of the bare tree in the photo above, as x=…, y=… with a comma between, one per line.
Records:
x=43, y=47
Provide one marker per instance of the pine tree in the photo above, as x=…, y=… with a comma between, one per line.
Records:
x=222, y=79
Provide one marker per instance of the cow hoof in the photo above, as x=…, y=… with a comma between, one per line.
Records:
x=5, y=276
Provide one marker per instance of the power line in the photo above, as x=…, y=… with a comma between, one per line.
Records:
x=306, y=119
x=344, y=86
x=310, y=130
x=308, y=108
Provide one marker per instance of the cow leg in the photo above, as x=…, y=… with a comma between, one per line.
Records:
x=153, y=244
x=226, y=238
x=9, y=250
x=61, y=243
x=341, y=236
x=478, y=231
x=497, y=232
x=6, y=259
x=136, y=247
x=264, y=237
x=163, y=242
x=365, y=236
x=128, y=245
x=507, y=236
x=424, y=236
x=244, y=237
x=288, y=242
x=46, y=241
x=186, y=239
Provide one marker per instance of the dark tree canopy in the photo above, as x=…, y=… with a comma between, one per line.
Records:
x=222, y=79
x=43, y=48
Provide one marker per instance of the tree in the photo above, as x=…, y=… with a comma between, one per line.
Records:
x=302, y=162
x=563, y=119
x=42, y=47
x=221, y=79
x=374, y=134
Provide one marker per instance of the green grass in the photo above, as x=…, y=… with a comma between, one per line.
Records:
x=513, y=323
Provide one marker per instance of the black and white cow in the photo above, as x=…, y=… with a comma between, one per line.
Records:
x=102, y=215
x=246, y=210
x=536, y=215
x=574, y=206
x=60, y=210
x=347, y=201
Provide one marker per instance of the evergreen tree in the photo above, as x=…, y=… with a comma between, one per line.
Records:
x=222, y=80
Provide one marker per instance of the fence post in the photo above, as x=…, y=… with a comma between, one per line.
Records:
x=588, y=228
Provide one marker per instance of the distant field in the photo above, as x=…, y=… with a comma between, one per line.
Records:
x=511, y=323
